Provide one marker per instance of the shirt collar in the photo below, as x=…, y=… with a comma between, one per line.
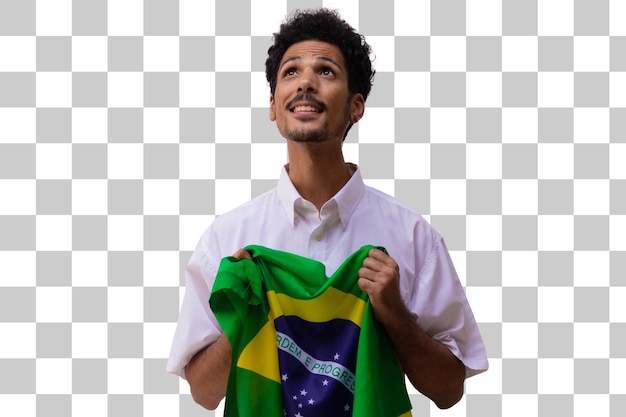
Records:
x=345, y=200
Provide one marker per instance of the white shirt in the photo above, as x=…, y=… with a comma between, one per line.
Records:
x=357, y=215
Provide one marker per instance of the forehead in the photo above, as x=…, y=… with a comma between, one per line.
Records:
x=313, y=49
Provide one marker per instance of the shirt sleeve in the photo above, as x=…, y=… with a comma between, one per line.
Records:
x=444, y=312
x=197, y=326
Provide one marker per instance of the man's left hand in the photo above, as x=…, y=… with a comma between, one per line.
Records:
x=380, y=279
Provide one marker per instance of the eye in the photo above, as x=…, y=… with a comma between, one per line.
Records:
x=289, y=71
x=327, y=71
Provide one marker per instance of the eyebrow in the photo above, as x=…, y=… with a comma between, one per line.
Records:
x=320, y=58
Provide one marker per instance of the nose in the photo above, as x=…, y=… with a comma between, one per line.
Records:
x=307, y=82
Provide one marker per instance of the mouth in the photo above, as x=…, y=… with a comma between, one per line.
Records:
x=305, y=108
x=305, y=104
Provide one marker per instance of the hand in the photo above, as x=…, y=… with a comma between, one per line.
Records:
x=242, y=254
x=380, y=279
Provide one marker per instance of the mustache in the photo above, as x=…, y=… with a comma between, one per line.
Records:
x=307, y=98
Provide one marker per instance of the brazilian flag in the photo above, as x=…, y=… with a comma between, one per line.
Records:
x=304, y=344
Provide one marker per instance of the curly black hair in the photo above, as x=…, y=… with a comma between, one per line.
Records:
x=327, y=26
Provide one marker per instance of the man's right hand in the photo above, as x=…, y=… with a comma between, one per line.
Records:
x=242, y=254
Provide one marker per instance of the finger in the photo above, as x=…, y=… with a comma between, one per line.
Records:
x=371, y=267
x=377, y=254
x=383, y=258
x=242, y=254
x=388, y=265
x=366, y=285
x=367, y=273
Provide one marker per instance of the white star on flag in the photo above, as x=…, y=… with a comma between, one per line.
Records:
x=311, y=401
x=346, y=407
x=325, y=382
x=285, y=377
x=303, y=392
x=298, y=415
x=336, y=356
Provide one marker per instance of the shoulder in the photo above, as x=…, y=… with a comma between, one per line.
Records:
x=250, y=210
x=400, y=224
x=375, y=199
x=374, y=195
x=242, y=225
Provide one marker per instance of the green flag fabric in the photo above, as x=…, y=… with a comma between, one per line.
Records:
x=304, y=344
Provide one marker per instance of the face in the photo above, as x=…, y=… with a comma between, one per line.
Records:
x=312, y=102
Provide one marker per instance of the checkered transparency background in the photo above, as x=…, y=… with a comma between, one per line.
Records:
x=126, y=126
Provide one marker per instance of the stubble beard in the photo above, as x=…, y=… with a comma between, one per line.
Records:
x=304, y=135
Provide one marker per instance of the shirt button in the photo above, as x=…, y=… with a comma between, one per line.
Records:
x=318, y=237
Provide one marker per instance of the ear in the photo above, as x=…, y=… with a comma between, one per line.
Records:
x=272, y=109
x=357, y=108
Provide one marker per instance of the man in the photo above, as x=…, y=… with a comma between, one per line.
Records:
x=320, y=75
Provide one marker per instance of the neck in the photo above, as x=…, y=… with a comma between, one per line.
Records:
x=317, y=170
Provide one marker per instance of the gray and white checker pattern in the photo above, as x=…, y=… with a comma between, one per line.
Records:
x=126, y=126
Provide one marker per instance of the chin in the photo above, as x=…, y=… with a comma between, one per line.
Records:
x=306, y=139
x=305, y=136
